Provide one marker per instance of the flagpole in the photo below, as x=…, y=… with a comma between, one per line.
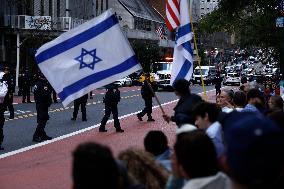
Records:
x=156, y=97
x=196, y=49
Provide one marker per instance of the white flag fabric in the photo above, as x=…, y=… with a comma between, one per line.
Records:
x=183, y=53
x=92, y=55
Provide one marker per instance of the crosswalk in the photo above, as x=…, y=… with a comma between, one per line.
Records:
x=17, y=112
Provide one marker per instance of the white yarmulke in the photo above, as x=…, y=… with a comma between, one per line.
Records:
x=185, y=128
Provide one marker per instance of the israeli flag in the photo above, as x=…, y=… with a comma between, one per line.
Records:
x=183, y=54
x=92, y=55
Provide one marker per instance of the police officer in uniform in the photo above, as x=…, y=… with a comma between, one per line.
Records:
x=26, y=87
x=111, y=99
x=7, y=77
x=218, y=82
x=147, y=95
x=42, y=97
x=80, y=101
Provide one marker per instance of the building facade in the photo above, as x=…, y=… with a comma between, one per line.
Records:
x=207, y=6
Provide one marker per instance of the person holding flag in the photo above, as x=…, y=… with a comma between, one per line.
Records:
x=177, y=12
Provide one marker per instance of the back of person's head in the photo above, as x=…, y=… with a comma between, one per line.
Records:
x=254, y=93
x=276, y=102
x=196, y=153
x=182, y=86
x=255, y=150
x=277, y=116
x=204, y=108
x=156, y=142
x=94, y=167
x=240, y=99
x=142, y=166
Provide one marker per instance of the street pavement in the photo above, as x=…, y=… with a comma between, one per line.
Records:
x=48, y=164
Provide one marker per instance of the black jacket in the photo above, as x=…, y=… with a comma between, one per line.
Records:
x=184, y=109
x=146, y=91
x=112, y=97
x=42, y=97
x=83, y=99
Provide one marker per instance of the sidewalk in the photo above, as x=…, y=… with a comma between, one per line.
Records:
x=48, y=165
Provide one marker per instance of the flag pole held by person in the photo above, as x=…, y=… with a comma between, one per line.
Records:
x=177, y=16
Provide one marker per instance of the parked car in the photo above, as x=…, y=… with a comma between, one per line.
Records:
x=232, y=79
x=126, y=81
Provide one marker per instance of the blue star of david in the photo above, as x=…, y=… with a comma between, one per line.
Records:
x=88, y=63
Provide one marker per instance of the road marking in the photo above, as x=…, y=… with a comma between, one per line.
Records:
x=21, y=150
x=69, y=135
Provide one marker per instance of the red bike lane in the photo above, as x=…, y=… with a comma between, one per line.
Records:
x=49, y=166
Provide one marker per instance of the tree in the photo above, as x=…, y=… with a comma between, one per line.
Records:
x=252, y=21
x=147, y=53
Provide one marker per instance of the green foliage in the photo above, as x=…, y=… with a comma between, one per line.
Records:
x=147, y=53
x=252, y=22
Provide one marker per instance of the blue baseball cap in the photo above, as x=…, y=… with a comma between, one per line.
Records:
x=255, y=149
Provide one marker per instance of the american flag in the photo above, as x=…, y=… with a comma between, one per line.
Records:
x=177, y=12
x=161, y=32
x=173, y=14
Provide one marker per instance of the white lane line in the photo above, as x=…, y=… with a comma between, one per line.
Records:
x=69, y=135
x=21, y=150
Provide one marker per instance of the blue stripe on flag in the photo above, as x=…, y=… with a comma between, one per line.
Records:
x=184, y=70
x=94, y=78
x=187, y=46
x=76, y=40
x=183, y=30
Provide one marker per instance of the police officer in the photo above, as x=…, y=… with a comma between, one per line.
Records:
x=8, y=101
x=147, y=95
x=26, y=86
x=53, y=93
x=111, y=99
x=80, y=101
x=42, y=97
x=217, y=81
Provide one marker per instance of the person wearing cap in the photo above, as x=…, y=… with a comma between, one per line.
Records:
x=42, y=96
x=82, y=101
x=26, y=86
x=147, y=95
x=8, y=101
x=184, y=108
x=206, y=118
x=255, y=151
x=111, y=99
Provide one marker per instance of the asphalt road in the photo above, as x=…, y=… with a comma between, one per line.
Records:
x=18, y=132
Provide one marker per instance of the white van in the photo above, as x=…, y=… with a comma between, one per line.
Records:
x=208, y=74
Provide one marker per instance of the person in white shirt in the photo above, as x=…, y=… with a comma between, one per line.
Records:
x=206, y=115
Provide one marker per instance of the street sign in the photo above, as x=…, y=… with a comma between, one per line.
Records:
x=280, y=22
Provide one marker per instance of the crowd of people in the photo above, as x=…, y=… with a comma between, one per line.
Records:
x=235, y=143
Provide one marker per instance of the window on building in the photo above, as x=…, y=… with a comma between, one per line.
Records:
x=97, y=7
x=58, y=8
x=41, y=7
x=106, y=4
x=208, y=1
x=102, y=6
x=50, y=6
